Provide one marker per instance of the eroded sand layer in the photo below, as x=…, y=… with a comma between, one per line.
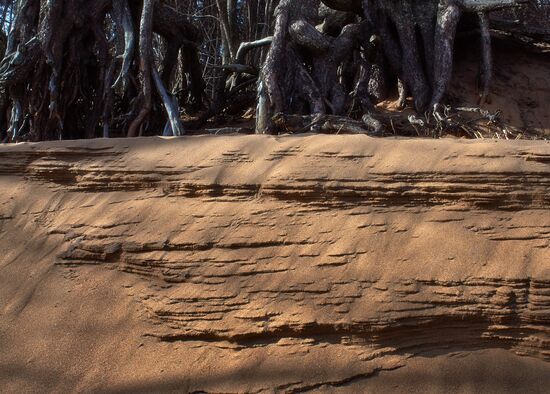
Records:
x=233, y=264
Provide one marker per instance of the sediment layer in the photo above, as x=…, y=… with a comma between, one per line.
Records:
x=326, y=259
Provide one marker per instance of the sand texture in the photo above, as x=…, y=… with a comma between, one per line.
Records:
x=275, y=264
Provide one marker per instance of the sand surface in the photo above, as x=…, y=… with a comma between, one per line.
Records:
x=520, y=88
x=275, y=264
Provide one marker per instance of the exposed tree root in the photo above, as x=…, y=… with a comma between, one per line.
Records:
x=410, y=43
x=87, y=68
x=461, y=121
x=64, y=76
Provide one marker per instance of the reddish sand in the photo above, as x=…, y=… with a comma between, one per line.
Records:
x=286, y=264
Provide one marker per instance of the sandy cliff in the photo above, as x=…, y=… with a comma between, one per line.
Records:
x=252, y=264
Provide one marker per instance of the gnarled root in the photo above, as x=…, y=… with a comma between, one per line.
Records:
x=145, y=55
x=60, y=57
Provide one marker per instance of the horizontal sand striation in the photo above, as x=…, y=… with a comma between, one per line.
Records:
x=252, y=263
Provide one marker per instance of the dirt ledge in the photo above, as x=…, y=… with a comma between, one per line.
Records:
x=287, y=264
